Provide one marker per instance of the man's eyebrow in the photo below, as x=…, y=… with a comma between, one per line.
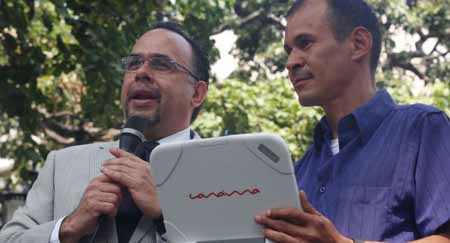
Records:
x=160, y=55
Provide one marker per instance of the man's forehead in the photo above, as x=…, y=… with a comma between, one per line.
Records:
x=308, y=17
x=162, y=41
x=163, y=33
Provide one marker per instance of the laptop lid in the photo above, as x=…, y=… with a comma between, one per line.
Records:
x=212, y=189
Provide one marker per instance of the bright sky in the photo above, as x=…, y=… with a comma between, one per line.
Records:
x=227, y=63
x=5, y=165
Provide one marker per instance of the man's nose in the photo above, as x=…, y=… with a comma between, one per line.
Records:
x=143, y=73
x=295, y=61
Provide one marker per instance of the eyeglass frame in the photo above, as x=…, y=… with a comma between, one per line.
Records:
x=123, y=62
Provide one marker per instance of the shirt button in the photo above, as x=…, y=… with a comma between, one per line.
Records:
x=322, y=189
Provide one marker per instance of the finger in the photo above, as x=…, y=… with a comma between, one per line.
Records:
x=281, y=226
x=100, y=179
x=122, y=175
x=103, y=183
x=125, y=164
x=101, y=203
x=108, y=198
x=123, y=169
x=103, y=186
x=108, y=188
x=293, y=215
x=120, y=161
x=124, y=161
x=106, y=208
x=280, y=237
x=306, y=205
x=120, y=153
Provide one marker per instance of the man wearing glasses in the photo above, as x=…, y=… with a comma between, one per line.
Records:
x=78, y=196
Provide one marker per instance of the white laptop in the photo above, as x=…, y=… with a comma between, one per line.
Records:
x=212, y=189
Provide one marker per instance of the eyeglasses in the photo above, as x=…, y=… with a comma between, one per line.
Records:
x=159, y=63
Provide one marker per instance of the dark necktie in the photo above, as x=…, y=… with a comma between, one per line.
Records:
x=148, y=147
x=128, y=215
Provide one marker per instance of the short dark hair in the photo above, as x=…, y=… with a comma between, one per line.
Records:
x=200, y=57
x=344, y=16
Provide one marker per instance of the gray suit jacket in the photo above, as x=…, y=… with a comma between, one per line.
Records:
x=57, y=193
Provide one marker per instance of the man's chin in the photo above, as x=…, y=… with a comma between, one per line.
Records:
x=152, y=118
x=138, y=112
x=307, y=99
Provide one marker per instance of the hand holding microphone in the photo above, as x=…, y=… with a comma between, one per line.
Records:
x=132, y=172
x=103, y=195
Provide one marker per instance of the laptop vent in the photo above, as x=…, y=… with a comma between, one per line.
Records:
x=268, y=153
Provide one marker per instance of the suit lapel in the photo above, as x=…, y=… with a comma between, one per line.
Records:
x=107, y=227
x=106, y=232
x=101, y=154
x=144, y=229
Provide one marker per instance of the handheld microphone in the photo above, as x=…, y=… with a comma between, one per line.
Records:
x=132, y=134
x=128, y=215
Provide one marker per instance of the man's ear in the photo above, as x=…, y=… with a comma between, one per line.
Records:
x=361, y=41
x=200, y=92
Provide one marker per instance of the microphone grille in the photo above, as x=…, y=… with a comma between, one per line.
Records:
x=136, y=123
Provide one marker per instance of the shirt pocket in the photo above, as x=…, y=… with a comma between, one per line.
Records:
x=364, y=211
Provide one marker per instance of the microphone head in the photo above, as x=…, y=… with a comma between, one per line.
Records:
x=132, y=133
x=137, y=123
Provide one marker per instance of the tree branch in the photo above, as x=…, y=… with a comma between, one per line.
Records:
x=262, y=15
x=237, y=23
x=435, y=46
x=411, y=68
x=402, y=60
x=276, y=22
x=71, y=135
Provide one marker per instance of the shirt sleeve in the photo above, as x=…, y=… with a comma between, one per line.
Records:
x=432, y=174
x=55, y=233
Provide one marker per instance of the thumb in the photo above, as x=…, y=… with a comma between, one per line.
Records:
x=306, y=205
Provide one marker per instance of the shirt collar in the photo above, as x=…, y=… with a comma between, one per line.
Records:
x=363, y=121
x=321, y=132
x=370, y=115
x=183, y=135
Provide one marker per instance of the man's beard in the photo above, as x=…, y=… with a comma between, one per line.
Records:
x=152, y=119
x=154, y=93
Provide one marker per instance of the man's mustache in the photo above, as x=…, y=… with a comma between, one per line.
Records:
x=301, y=73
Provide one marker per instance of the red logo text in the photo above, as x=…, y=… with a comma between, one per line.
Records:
x=253, y=191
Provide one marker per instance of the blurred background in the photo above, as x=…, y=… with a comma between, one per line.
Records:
x=60, y=79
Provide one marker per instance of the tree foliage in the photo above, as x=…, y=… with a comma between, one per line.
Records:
x=60, y=80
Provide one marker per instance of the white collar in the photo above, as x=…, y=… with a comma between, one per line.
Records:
x=183, y=135
x=334, y=146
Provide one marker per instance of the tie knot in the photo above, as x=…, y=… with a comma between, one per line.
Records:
x=145, y=149
x=150, y=145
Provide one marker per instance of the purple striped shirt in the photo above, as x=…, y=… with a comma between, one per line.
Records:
x=391, y=179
